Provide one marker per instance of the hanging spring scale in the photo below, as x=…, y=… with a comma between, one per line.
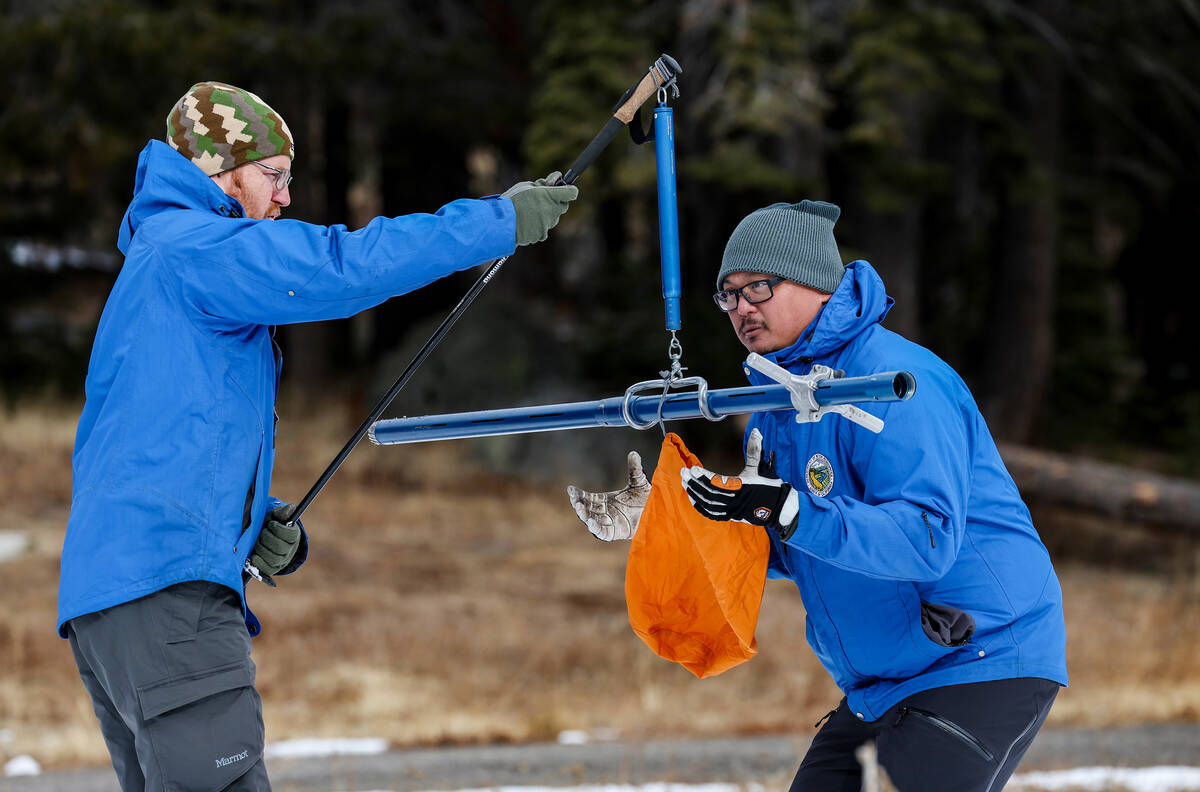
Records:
x=663, y=134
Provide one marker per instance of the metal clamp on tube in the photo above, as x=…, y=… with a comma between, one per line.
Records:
x=633, y=390
x=703, y=404
x=816, y=394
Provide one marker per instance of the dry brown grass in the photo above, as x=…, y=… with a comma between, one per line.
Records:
x=442, y=604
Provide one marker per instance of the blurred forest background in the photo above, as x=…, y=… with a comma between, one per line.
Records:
x=1023, y=175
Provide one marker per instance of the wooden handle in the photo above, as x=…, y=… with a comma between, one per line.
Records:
x=664, y=71
x=643, y=91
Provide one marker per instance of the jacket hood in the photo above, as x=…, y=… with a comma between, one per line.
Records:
x=860, y=301
x=166, y=180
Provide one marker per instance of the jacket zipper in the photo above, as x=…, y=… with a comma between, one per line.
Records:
x=277, y=354
x=248, y=507
x=277, y=358
x=953, y=729
x=928, y=527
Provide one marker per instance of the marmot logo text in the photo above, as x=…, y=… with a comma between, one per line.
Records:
x=228, y=760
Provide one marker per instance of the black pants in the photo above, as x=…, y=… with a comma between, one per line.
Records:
x=172, y=684
x=959, y=738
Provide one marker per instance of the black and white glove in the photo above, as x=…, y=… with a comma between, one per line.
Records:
x=754, y=496
x=614, y=515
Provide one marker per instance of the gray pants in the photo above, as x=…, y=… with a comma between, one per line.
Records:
x=172, y=683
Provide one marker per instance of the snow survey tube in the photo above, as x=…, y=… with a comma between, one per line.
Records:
x=645, y=409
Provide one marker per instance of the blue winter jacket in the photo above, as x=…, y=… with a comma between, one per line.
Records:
x=172, y=461
x=907, y=538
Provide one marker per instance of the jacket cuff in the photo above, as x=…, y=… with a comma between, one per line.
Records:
x=784, y=532
x=790, y=511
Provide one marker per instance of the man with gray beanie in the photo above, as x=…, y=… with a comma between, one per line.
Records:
x=172, y=463
x=928, y=595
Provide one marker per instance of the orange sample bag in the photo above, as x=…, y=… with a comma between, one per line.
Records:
x=693, y=586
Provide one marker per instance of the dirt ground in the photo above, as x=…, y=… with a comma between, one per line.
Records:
x=446, y=605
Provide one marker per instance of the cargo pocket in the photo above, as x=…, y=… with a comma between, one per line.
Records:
x=945, y=625
x=205, y=729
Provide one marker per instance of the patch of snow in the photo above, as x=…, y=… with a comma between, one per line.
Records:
x=582, y=737
x=1135, y=779
x=572, y=737
x=23, y=765
x=12, y=544
x=315, y=747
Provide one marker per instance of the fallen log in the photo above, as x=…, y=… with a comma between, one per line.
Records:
x=1117, y=492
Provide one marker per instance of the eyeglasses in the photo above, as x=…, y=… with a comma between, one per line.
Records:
x=282, y=177
x=754, y=292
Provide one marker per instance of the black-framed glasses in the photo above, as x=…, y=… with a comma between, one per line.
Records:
x=754, y=292
x=282, y=177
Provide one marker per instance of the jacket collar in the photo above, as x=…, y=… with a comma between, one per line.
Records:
x=859, y=302
x=165, y=179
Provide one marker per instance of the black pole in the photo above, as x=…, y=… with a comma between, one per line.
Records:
x=664, y=72
x=397, y=386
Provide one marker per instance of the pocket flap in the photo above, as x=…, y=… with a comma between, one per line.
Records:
x=162, y=697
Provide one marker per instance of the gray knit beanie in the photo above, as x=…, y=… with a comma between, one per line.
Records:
x=793, y=241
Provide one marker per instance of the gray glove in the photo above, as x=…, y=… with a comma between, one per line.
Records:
x=277, y=543
x=539, y=204
x=614, y=515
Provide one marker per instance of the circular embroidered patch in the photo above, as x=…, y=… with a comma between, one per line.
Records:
x=818, y=475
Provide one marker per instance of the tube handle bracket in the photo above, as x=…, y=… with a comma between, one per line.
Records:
x=802, y=389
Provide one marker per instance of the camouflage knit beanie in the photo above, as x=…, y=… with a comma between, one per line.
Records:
x=219, y=127
x=793, y=241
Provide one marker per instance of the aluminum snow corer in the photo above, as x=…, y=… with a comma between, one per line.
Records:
x=813, y=396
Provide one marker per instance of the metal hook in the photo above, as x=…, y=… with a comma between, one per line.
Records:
x=661, y=401
x=633, y=389
x=674, y=354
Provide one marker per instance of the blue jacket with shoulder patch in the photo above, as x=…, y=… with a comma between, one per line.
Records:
x=172, y=461
x=916, y=558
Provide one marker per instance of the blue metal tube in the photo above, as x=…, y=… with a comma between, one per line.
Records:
x=885, y=386
x=574, y=415
x=668, y=213
x=608, y=412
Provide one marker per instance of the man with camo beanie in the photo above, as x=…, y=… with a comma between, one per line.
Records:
x=172, y=464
